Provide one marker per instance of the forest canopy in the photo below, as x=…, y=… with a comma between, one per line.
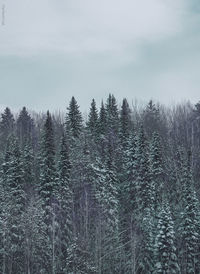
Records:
x=114, y=192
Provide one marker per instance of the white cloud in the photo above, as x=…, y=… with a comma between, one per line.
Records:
x=86, y=26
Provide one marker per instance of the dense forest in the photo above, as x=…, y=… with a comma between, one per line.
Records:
x=115, y=192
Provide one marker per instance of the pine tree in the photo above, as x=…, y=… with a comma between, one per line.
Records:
x=165, y=251
x=74, y=119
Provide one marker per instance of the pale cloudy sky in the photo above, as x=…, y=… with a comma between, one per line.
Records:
x=53, y=49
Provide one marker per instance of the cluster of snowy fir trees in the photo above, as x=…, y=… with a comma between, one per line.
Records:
x=117, y=192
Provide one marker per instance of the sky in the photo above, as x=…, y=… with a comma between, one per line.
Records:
x=52, y=50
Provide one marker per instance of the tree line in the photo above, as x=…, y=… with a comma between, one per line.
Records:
x=117, y=192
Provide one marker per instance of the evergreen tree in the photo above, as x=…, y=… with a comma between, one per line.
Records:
x=48, y=184
x=25, y=127
x=66, y=203
x=146, y=259
x=156, y=169
x=143, y=185
x=112, y=114
x=74, y=119
x=93, y=118
x=107, y=196
x=165, y=250
x=28, y=170
x=189, y=223
x=14, y=202
x=6, y=125
x=102, y=121
x=125, y=122
x=48, y=191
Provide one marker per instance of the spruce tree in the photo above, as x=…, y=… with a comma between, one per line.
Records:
x=156, y=169
x=6, y=126
x=93, y=118
x=74, y=119
x=102, y=121
x=25, y=127
x=66, y=204
x=48, y=190
x=112, y=114
x=125, y=122
x=189, y=222
x=48, y=184
x=166, y=261
x=14, y=201
x=143, y=185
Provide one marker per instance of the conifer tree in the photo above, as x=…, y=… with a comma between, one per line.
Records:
x=156, y=169
x=93, y=118
x=66, y=203
x=142, y=171
x=189, y=222
x=6, y=125
x=125, y=122
x=165, y=251
x=48, y=184
x=14, y=200
x=112, y=114
x=74, y=119
x=48, y=190
x=25, y=127
x=102, y=121
x=146, y=259
x=107, y=196
x=28, y=170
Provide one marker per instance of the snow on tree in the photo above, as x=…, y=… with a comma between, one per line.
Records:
x=93, y=118
x=166, y=261
x=74, y=119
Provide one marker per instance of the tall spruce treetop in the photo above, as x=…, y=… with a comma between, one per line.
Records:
x=112, y=113
x=6, y=125
x=48, y=169
x=102, y=121
x=93, y=118
x=24, y=126
x=125, y=122
x=74, y=118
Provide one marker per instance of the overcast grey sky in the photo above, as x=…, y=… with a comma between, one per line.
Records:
x=53, y=49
